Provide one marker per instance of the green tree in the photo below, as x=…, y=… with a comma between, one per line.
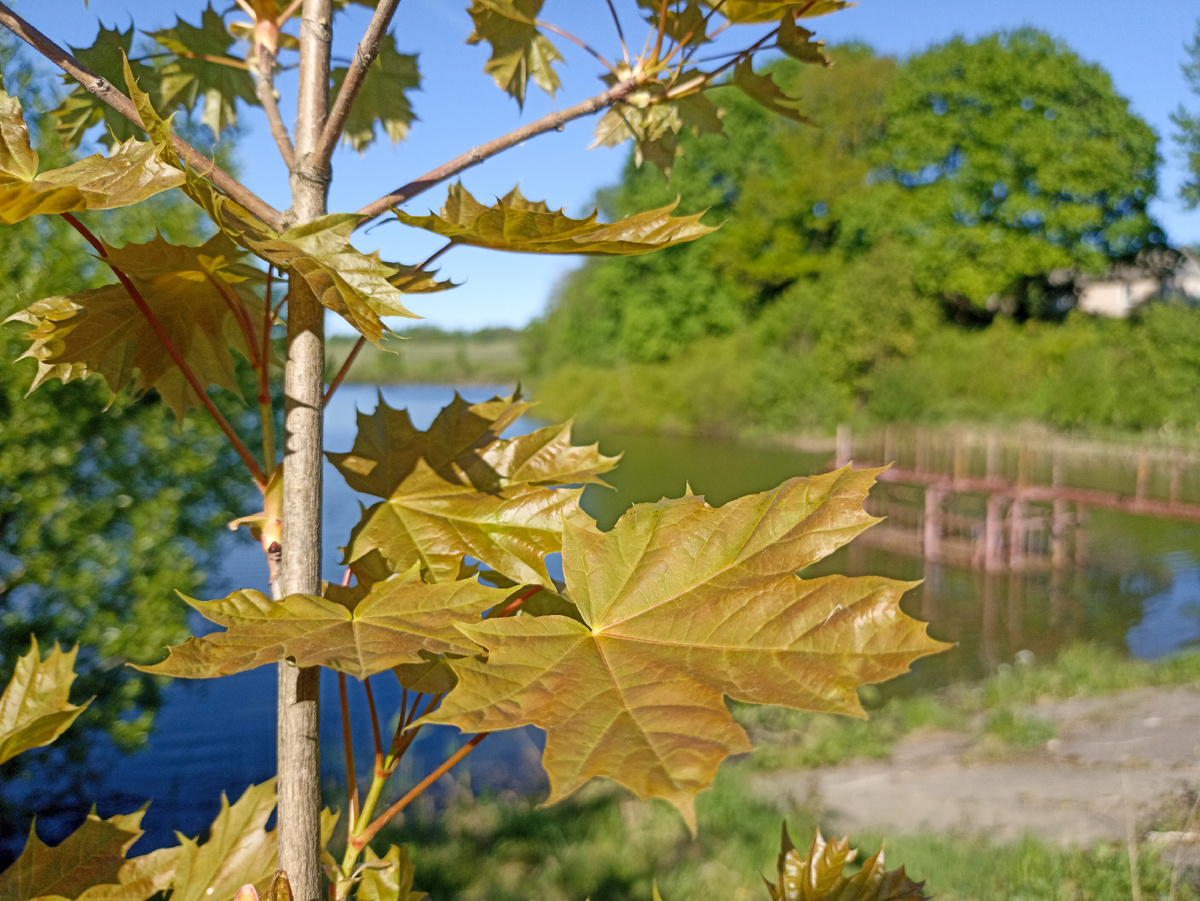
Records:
x=1005, y=159
x=1188, y=123
x=626, y=664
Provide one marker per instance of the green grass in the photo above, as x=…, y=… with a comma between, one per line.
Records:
x=429, y=356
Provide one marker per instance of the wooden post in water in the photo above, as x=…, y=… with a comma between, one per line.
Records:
x=1060, y=516
x=1016, y=533
x=843, y=453
x=993, y=534
x=933, y=522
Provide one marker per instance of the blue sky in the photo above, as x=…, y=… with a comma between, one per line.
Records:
x=459, y=107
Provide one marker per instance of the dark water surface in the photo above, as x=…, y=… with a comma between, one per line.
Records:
x=1138, y=590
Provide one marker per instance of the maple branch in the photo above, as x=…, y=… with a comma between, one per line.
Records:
x=384, y=818
x=348, y=746
x=265, y=411
x=374, y=724
x=364, y=56
x=172, y=351
x=264, y=88
x=106, y=92
x=476, y=155
x=345, y=368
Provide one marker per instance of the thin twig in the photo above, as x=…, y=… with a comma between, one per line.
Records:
x=265, y=409
x=384, y=818
x=348, y=746
x=173, y=352
x=620, y=31
x=477, y=155
x=364, y=57
x=345, y=368
x=106, y=92
x=374, y=725
x=264, y=84
x=289, y=12
x=579, y=43
x=662, y=26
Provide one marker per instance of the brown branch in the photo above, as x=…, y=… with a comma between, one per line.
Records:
x=476, y=155
x=364, y=56
x=345, y=368
x=106, y=92
x=264, y=87
x=374, y=725
x=384, y=818
x=173, y=352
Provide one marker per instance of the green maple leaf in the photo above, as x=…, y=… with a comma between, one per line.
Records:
x=763, y=90
x=519, y=51
x=88, y=865
x=749, y=11
x=391, y=882
x=411, y=280
x=34, y=708
x=132, y=172
x=463, y=445
x=80, y=110
x=381, y=98
x=526, y=226
x=102, y=331
x=683, y=25
x=363, y=630
x=819, y=875
x=435, y=523
x=204, y=69
x=682, y=605
x=797, y=42
x=239, y=850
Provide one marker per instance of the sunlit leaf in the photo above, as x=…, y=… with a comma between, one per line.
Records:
x=80, y=110
x=525, y=226
x=744, y=11
x=820, y=876
x=763, y=90
x=90, y=858
x=203, y=69
x=362, y=630
x=266, y=526
x=191, y=290
x=34, y=708
x=797, y=42
x=411, y=280
x=238, y=851
x=351, y=283
x=18, y=159
x=392, y=882
x=382, y=98
x=519, y=51
x=435, y=523
x=682, y=24
x=683, y=605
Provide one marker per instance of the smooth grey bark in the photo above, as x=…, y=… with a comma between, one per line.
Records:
x=299, y=748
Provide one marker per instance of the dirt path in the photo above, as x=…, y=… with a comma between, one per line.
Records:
x=1114, y=756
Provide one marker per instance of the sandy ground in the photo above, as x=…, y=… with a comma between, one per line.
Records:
x=1113, y=759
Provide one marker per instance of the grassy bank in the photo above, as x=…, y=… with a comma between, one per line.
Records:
x=604, y=844
x=430, y=355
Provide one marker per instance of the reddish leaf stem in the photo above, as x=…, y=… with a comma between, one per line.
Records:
x=374, y=726
x=106, y=92
x=579, y=43
x=511, y=608
x=348, y=745
x=173, y=351
x=384, y=818
x=477, y=155
x=364, y=57
x=345, y=368
x=241, y=314
x=620, y=31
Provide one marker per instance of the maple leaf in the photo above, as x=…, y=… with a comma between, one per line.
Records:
x=430, y=521
x=519, y=51
x=131, y=173
x=763, y=90
x=199, y=296
x=684, y=25
x=524, y=226
x=464, y=444
x=390, y=882
x=89, y=865
x=749, y=11
x=80, y=110
x=683, y=604
x=374, y=626
x=34, y=708
x=413, y=280
x=797, y=42
x=204, y=69
x=819, y=876
x=381, y=98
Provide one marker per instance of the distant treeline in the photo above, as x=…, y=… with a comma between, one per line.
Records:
x=912, y=258
x=430, y=354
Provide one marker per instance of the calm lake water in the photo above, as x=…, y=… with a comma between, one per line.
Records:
x=1139, y=590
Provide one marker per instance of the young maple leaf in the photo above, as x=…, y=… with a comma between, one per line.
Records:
x=681, y=605
x=34, y=708
x=381, y=98
x=519, y=51
x=820, y=875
